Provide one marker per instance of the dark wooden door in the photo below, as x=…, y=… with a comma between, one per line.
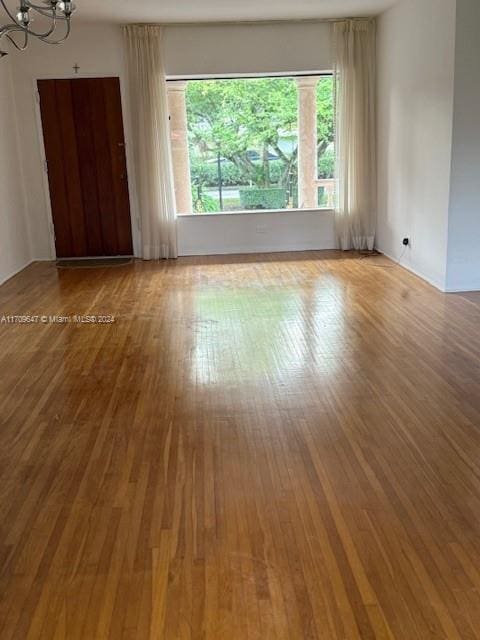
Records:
x=87, y=172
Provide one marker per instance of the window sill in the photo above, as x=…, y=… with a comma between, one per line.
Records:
x=252, y=212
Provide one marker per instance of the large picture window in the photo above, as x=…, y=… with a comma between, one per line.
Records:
x=253, y=144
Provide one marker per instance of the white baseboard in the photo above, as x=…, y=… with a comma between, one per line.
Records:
x=4, y=279
x=428, y=278
x=247, y=248
x=475, y=286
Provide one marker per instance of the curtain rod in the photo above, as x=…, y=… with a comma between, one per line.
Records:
x=232, y=23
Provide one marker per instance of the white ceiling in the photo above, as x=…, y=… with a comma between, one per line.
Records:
x=224, y=10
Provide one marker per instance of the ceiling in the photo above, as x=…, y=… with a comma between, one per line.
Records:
x=224, y=10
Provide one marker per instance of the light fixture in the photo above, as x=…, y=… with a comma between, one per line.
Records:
x=54, y=13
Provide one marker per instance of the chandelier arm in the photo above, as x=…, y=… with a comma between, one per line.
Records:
x=10, y=15
x=45, y=34
x=48, y=13
x=46, y=10
x=38, y=6
x=5, y=29
x=17, y=46
x=30, y=32
x=60, y=40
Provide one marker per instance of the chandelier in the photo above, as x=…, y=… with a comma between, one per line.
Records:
x=54, y=22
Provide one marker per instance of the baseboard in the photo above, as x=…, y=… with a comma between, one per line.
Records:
x=464, y=289
x=223, y=251
x=14, y=273
x=431, y=280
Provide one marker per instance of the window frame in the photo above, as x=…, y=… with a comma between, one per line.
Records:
x=171, y=79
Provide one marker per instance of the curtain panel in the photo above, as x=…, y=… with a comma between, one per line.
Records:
x=151, y=141
x=356, y=170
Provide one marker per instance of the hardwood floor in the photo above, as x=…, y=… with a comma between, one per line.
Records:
x=259, y=447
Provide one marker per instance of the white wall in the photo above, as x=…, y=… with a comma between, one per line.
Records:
x=255, y=232
x=260, y=48
x=189, y=50
x=416, y=44
x=463, y=266
x=14, y=241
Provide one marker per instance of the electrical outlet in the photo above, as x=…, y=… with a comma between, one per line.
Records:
x=261, y=228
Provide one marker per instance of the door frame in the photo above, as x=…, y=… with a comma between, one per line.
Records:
x=134, y=214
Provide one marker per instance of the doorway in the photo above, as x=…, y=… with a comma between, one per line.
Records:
x=84, y=141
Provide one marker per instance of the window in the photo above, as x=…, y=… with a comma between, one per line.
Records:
x=244, y=143
x=325, y=143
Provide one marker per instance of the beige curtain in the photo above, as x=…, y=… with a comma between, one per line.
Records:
x=354, y=72
x=151, y=137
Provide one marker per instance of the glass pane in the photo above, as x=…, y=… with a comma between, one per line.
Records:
x=325, y=142
x=243, y=142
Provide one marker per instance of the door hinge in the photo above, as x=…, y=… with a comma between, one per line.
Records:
x=37, y=96
x=45, y=166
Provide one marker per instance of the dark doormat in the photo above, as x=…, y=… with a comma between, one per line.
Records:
x=91, y=263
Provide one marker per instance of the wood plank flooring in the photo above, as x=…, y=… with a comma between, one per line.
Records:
x=259, y=447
